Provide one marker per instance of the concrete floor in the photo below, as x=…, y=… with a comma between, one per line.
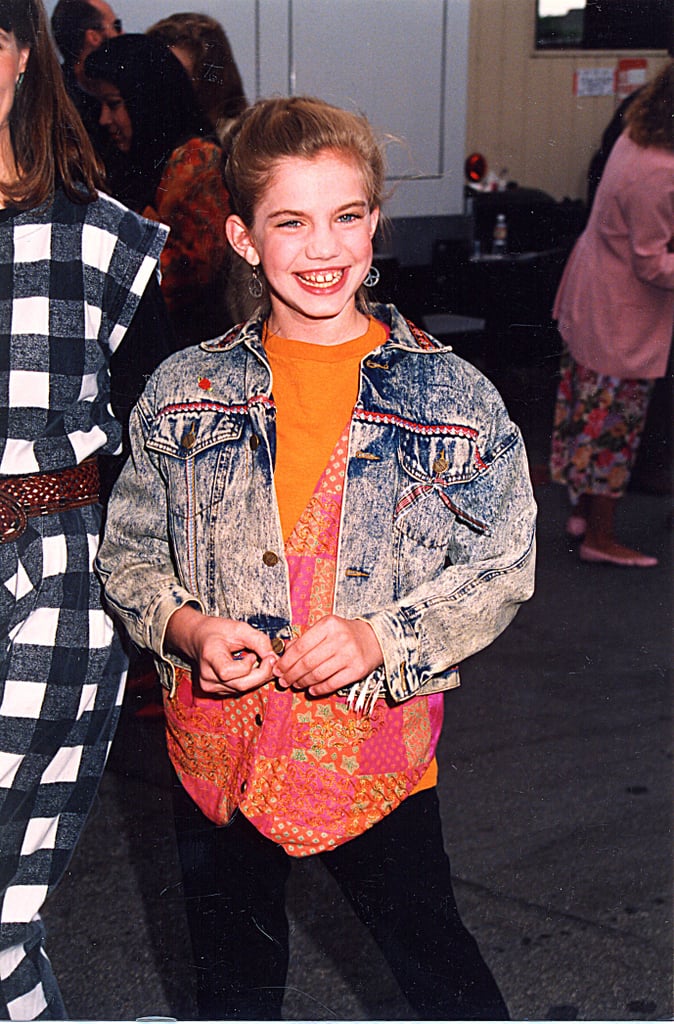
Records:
x=556, y=792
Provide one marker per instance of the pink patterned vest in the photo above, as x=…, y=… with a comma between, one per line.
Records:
x=309, y=774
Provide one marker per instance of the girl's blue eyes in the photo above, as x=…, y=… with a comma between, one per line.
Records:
x=344, y=218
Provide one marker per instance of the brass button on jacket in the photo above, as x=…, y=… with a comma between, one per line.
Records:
x=278, y=645
x=189, y=438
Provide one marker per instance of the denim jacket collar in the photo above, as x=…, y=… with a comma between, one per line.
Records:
x=400, y=334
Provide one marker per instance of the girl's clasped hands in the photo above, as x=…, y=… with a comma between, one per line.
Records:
x=232, y=657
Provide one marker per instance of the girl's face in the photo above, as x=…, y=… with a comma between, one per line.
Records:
x=312, y=232
x=114, y=116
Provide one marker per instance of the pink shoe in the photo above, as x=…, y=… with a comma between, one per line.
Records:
x=633, y=561
x=576, y=527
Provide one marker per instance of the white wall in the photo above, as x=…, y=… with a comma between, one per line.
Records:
x=401, y=62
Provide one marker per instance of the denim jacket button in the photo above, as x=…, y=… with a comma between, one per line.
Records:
x=441, y=465
x=278, y=645
x=270, y=558
x=188, y=440
x=254, y=442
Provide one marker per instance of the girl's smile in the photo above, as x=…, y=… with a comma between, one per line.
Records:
x=322, y=280
x=312, y=232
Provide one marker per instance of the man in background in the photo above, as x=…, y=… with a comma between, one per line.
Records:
x=79, y=27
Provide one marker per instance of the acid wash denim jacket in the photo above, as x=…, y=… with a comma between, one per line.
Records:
x=436, y=544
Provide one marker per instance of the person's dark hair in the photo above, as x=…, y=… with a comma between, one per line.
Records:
x=297, y=126
x=650, y=119
x=215, y=79
x=161, y=105
x=70, y=21
x=49, y=143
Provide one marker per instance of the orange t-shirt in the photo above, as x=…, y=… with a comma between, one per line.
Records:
x=315, y=388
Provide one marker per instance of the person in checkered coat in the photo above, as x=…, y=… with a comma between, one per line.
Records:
x=76, y=268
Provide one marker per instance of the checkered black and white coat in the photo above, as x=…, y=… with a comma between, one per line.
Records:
x=71, y=279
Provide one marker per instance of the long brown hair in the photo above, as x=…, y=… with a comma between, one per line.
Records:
x=49, y=142
x=650, y=118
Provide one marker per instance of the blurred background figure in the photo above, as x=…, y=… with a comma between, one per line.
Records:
x=169, y=170
x=615, y=313
x=202, y=47
x=79, y=27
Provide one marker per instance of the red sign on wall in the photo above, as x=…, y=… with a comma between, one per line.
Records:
x=631, y=72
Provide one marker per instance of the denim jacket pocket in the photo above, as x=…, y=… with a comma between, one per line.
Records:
x=437, y=468
x=436, y=465
x=188, y=430
x=198, y=453
x=193, y=442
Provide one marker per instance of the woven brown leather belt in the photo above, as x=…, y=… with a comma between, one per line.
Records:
x=40, y=494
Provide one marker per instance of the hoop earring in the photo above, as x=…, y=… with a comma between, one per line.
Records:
x=372, y=277
x=255, y=284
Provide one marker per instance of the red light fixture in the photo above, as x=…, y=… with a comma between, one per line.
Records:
x=475, y=167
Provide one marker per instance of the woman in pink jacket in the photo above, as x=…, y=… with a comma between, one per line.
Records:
x=615, y=313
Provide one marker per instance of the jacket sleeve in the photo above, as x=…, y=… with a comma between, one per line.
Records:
x=134, y=561
x=489, y=572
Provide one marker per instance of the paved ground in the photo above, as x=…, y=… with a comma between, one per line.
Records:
x=555, y=782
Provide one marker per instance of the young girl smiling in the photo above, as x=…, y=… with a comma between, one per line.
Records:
x=324, y=512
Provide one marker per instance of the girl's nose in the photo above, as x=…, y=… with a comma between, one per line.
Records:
x=322, y=243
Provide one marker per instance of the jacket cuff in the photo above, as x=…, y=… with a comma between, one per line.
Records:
x=164, y=605
x=398, y=641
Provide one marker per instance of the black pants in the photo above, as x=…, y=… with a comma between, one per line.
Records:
x=397, y=878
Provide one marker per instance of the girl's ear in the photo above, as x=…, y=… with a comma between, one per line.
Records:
x=240, y=240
